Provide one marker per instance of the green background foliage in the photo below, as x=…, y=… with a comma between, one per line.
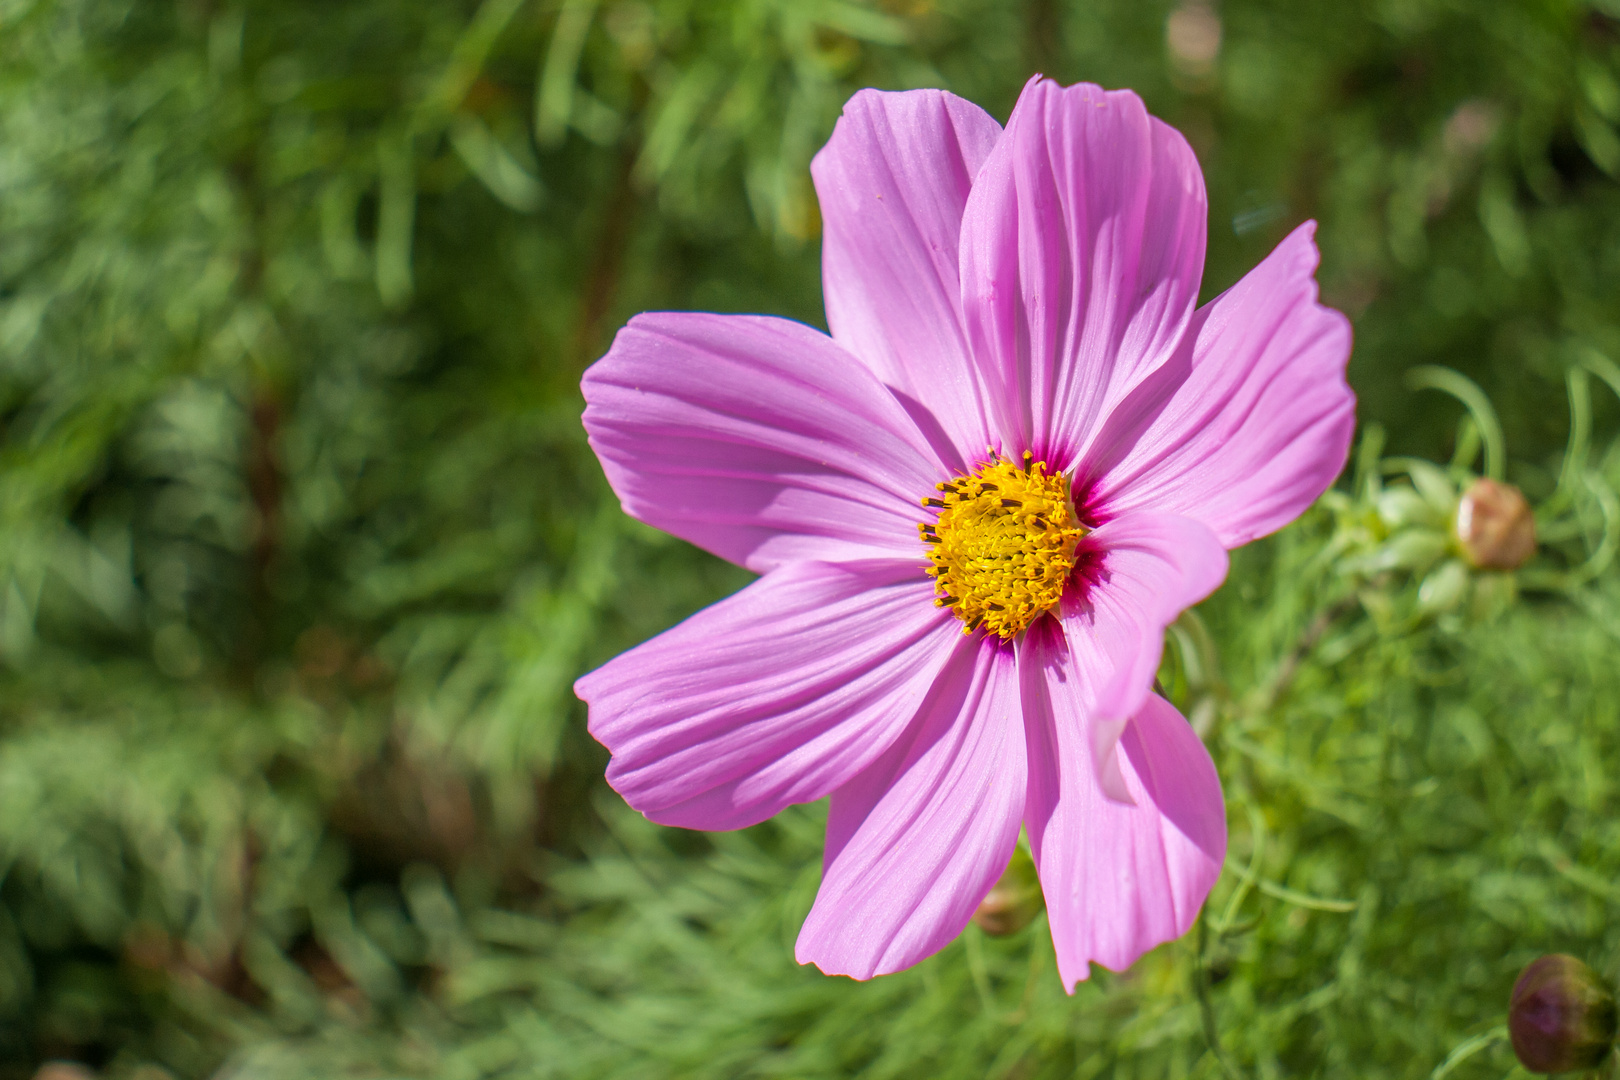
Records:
x=301, y=545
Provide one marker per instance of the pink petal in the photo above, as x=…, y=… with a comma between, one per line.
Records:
x=1248, y=426
x=1082, y=250
x=1119, y=878
x=1138, y=573
x=776, y=695
x=892, y=182
x=915, y=842
x=758, y=439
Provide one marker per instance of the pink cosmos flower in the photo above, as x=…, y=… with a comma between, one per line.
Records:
x=974, y=508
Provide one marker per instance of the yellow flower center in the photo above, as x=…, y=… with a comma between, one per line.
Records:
x=1003, y=544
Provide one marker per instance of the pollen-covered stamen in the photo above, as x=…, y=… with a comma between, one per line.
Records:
x=1003, y=545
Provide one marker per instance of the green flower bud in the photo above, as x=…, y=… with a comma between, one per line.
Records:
x=1562, y=1016
x=1014, y=900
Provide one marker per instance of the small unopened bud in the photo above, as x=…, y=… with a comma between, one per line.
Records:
x=1014, y=900
x=1495, y=527
x=63, y=1070
x=1562, y=1016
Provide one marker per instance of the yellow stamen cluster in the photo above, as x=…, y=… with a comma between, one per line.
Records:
x=1003, y=544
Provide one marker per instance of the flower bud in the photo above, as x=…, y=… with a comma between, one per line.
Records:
x=1562, y=1016
x=1014, y=900
x=64, y=1070
x=1495, y=527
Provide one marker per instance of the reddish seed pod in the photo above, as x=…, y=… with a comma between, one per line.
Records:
x=1562, y=1016
x=1495, y=526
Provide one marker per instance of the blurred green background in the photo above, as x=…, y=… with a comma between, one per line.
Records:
x=301, y=545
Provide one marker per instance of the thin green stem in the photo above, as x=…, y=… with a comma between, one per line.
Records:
x=1465, y=390
x=1206, y=1006
x=1604, y=555
x=1257, y=832
x=1579, y=383
x=1467, y=1049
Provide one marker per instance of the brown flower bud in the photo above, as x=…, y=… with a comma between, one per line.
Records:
x=1495, y=527
x=1562, y=1016
x=1014, y=900
x=63, y=1070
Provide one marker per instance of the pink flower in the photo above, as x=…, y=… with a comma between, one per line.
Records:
x=1015, y=340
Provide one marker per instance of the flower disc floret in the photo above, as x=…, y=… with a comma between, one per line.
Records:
x=1003, y=544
